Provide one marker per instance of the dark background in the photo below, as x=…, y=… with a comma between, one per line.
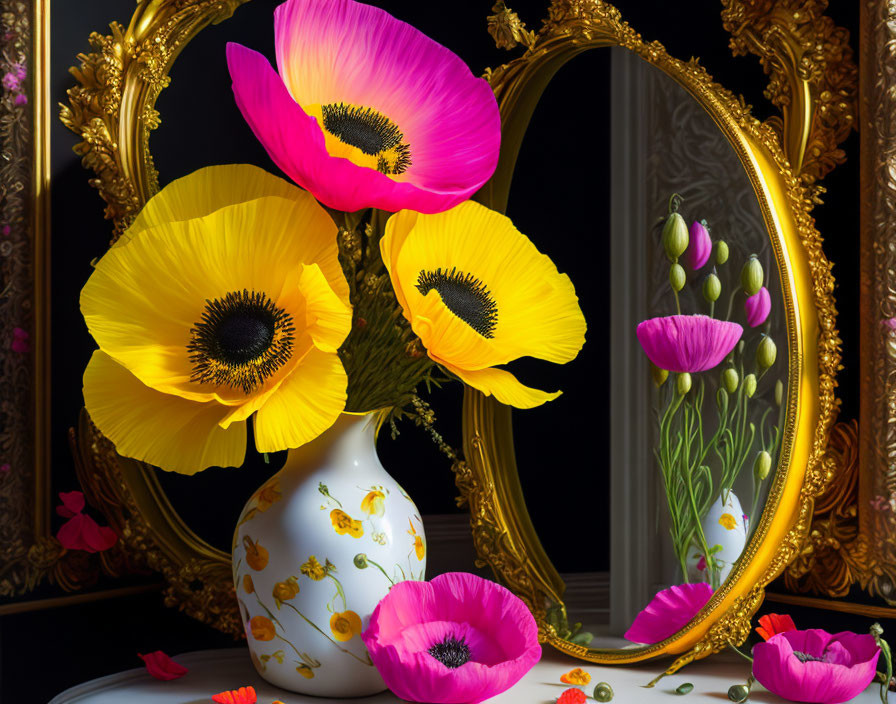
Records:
x=559, y=199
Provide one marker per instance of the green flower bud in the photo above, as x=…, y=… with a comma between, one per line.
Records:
x=603, y=692
x=722, y=400
x=762, y=466
x=738, y=693
x=712, y=288
x=730, y=380
x=360, y=561
x=721, y=252
x=683, y=385
x=684, y=688
x=677, y=277
x=751, y=276
x=779, y=393
x=766, y=352
x=750, y=385
x=675, y=236
x=659, y=375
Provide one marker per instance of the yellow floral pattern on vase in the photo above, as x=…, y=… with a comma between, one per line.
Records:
x=305, y=671
x=262, y=628
x=727, y=521
x=374, y=504
x=419, y=545
x=284, y=591
x=248, y=584
x=345, y=625
x=314, y=570
x=268, y=495
x=256, y=555
x=345, y=524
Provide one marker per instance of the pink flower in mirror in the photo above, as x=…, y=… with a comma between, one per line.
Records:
x=699, y=246
x=687, y=343
x=815, y=666
x=668, y=612
x=757, y=307
x=367, y=111
x=81, y=532
x=458, y=639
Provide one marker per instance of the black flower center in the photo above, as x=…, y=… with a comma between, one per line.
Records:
x=371, y=132
x=465, y=296
x=451, y=652
x=805, y=657
x=241, y=340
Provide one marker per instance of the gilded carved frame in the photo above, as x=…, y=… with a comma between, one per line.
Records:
x=112, y=110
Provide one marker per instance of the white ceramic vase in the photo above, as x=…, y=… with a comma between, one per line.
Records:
x=315, y=549
x=725, y=525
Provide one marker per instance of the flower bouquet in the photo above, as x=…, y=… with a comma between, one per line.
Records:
x=300, y=309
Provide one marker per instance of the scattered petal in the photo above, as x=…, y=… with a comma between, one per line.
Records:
x=83, y=533
x=72, y=503
x=243, y=695
x=773, y=624
x=162, y=667
x=576, y=676
x=572, y=695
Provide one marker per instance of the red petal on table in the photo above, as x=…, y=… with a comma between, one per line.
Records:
x=161, y=666
x=83, y=533
x=773, y=624
x=72, y=503
x=243, y=695
x=573, y=695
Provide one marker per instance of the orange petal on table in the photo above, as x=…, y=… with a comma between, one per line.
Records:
x=243, y=695
x=160, y=666
x=773, y=624
x=83, y=533
x=573, y=695
x=576, y=676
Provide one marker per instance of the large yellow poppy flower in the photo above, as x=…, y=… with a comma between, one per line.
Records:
x=224, y=298
x=478, y=294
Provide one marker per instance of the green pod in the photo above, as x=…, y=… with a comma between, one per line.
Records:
x=751, y=276
x=779, y=392
x=738, y=693
x=712, y=288
x=603, y=692
x=659, y=375
x=766, y=352
x=762, y=466
x=685, y=688
x=683, y=384
x=675, y=236
x=721, y=253
x=750, y=385
x=730, y=380
x=677, y=277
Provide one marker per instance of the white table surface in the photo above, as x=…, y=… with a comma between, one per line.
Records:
x=212, y=671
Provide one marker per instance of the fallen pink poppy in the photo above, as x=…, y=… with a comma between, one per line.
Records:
x=458, y=639
x=81, y=532
x=757, y=307
x=687, y=343
x=668, y=612
x=816, y=666
x=162, y=667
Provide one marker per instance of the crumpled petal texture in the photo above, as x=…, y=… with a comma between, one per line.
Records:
x=496, y=625
x=687, y=343
x=668, y=612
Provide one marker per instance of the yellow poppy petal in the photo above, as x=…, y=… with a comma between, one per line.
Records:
x=503, y=386
x=165, y=430
x=398, y=227
x=307, y=403
x=327, y=318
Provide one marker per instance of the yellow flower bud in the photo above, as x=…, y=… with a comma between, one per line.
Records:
x=730, y=380
x=750, y=385
x=683, y=385
x=721, y=252
x=766, y=352
x=751, y=276
x=675, y=237
x=779, y=393
x=712, y=288
x=659, y=375
x=677, y=277
x=762, y=466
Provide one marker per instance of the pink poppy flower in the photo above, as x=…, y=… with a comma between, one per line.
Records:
x=160, y=666
x=81, y=532
x=458, y=639
x=668, y=612
x=687, y=343
x=367, y=111
x=699, y=246
x=757, y=307
x=815, y=666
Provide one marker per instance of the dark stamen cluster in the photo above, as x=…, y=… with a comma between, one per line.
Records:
x=451, y=652
x=465, y=296
x=241, y=340
x=805, y=657
x=371, y=132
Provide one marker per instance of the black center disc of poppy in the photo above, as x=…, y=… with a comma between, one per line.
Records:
x=451, y=652
x=241, y=340
x=465, y=296
x=371, y=132
x=805, y=657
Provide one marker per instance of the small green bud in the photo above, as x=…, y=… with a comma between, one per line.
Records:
x=712, y=288
x=779, y=393
x=740, y=347
x=750, y=385
x=766, y=352
x=675, y=236
x=360, y=561
x=738, y=693
x=721, y=252
x=603, y=692
x=762, y=466
x=677, y=277
x=730, y=380
x=684, y=688
x=659, y=375
x=683, y=384
x=722, y=400
x=876, y=630
x=751, y=276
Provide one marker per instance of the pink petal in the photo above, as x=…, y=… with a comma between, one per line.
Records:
x=83, y=533
x=757, y=307
x=72, y=503
x=162, y=667
x=699, y=246
x=687, y=343
x=668, y=612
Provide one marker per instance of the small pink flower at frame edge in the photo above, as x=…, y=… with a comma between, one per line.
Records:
x=19, y=341
x=816, y=666
x=687, y=343
x=890, y=323
x=757, y=307
x=459, y=639
x=162, y=667
x=668, y=612
x=699, y=246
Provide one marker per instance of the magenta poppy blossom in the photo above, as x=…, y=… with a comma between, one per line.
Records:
x=687, y=343
x=757, y=307
x=458, y=639
x=367, y=111
x=668, y=612
x=815, y=666
x=699, y=246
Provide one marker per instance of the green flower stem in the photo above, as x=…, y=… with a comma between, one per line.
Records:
x=327, y=636
x=339, y=591
x=379, y=567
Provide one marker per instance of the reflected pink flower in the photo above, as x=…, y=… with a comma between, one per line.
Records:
x=815, y=666
x=687, y=343
x=20, y=342
x=11, y=82
x=162, y=667
x=757, y=307
x=21, y=99
x=458, y=639
x=668, y=612
x=367, y=111
x=701, y=563
x=699, y=247
x=81, y=532
x=890, y=323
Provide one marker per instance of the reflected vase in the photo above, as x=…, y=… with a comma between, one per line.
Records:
x=316, y=548
x=725, y=528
